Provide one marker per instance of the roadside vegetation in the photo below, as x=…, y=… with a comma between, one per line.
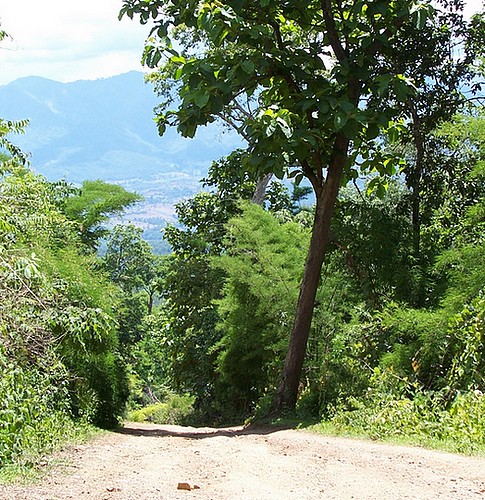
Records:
x=395, y=345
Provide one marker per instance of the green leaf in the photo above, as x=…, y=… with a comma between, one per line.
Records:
x=248, y=67
x=201, y=99
x=340, y=120
x=383, y=84
x=372, y=131
x=323, y=107
x=401, y=89
x=389, y=166
x=351, y=129
x=285, y=127
x=420, y=17
x=162, y=127
x=393, y=135
x=177, y=59
x=346, y=106
x=177, y=74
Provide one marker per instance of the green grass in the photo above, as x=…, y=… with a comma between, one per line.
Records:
x=31, y=465
x=425, y=421
x=448, y=445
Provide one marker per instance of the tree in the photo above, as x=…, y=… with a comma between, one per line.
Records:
x=191, y=283
x=131, y=263
x=460, y=183
x=443, y=85
x=8, y=150
x=374, y=236
x=10, y=127
x=93, y=205
x=317, y=71
x=57, y=312
x=262, y=265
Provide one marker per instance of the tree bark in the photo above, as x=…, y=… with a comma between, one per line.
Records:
x=416, y=180
x=260, y=192
x=151, y=294
x=326, y=197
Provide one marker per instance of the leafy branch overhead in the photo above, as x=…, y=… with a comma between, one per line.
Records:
x=292, y=62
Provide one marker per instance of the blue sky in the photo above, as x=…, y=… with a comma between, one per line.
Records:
x=68, y=40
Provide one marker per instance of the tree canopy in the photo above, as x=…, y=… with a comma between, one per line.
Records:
x=93, y=204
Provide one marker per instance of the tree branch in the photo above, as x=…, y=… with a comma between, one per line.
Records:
x=311, y=176
x=338, y=50
x=238, y=128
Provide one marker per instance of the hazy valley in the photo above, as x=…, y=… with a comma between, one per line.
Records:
x=104, y=129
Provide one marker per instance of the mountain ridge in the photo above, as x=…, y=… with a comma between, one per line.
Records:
x=104, y=129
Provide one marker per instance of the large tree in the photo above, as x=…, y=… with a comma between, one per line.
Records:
x=317, y=72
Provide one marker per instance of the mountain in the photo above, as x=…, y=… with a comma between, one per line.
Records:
x=104, y=129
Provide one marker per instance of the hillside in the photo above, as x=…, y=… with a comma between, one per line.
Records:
x=104, y=129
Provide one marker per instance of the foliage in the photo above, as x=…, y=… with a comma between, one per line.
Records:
x=297, y=92
x=92, y=206
x=131, y=263
x=439, y=75
x=229, y=296
x=423, y=368
x=150, y=369
x=174, y=410
x=374, y=235
x=34, y=414
x=422, y=420
x=262, y=263
x=8, y=127
x=330, y=80
x=58, y=328
x=452, y=192
x=321, y=90
x=467, y=342
x=188, y=317
x=29, y=208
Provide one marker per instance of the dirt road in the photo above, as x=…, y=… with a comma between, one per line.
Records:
x=147, y=462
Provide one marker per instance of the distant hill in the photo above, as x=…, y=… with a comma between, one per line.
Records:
x=104, y=129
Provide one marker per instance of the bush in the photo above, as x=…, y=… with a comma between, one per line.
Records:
x=34, y=416
x=174, y=410
x=426, y=418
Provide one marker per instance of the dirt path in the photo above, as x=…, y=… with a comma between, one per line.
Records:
x=147, y=462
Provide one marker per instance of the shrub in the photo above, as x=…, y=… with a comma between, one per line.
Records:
x=34, y=416
x=425, y=418
x=174, y=410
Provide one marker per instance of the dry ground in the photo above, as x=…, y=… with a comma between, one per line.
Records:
x=147, y=462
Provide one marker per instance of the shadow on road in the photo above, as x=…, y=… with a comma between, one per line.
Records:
x=134, y=429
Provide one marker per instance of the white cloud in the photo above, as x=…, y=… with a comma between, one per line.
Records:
x=68, y=40
x=473, y=6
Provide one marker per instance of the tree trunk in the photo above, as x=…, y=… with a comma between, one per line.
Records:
x=260, y=192
x=416, y=181
x=416, y=203
x=151, y=295
x=326, y=197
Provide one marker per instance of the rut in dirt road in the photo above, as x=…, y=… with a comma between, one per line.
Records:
x=150, y=462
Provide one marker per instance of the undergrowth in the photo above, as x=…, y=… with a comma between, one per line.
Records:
x=425, y=420
x=34, y=461
x=175, y=409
